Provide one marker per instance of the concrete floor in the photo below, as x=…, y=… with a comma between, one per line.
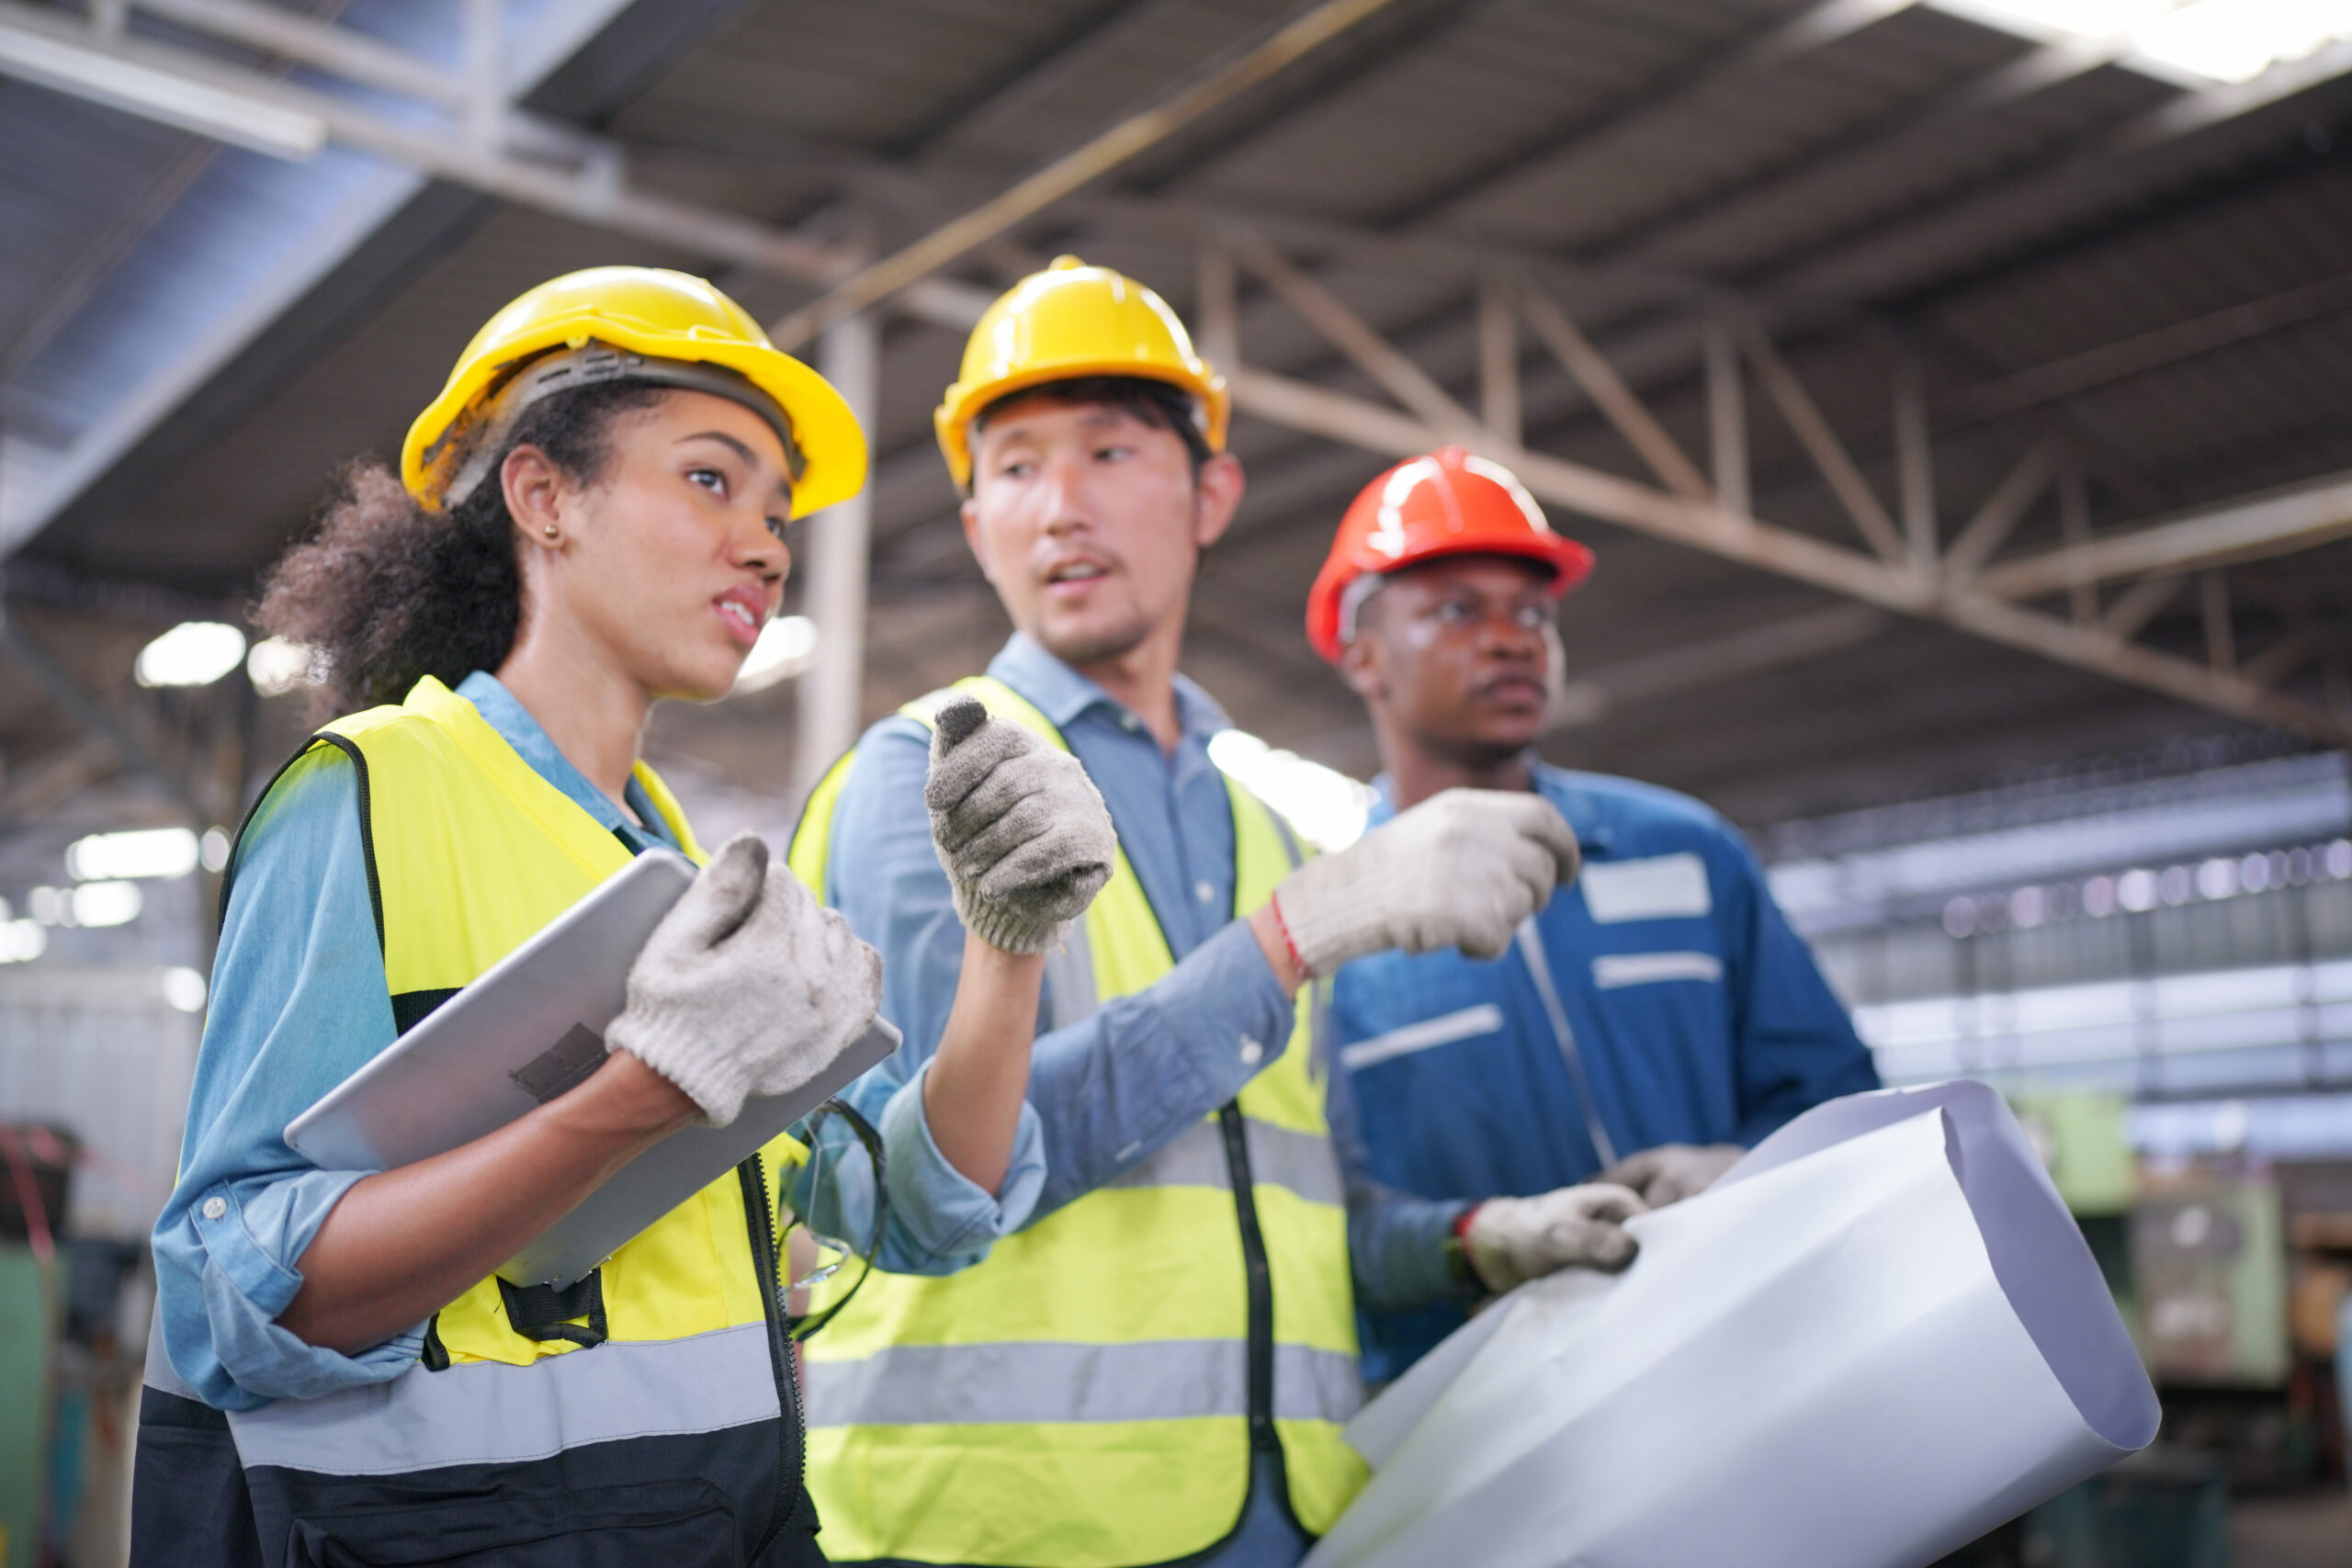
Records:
x=2291, y=1532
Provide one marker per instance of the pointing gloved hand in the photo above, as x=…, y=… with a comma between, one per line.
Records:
x=1672, y=1172
x=749, y=985
x=1027, y=840
x=1511, y=1240
x=1461, y=869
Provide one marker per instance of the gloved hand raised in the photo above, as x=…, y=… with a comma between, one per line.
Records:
x=1027, y=840
x=1672, y=1172
x=1461, y=869
x=1511, y=1240
x=749, y=985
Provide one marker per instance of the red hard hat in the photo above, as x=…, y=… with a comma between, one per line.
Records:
x=1450, y=503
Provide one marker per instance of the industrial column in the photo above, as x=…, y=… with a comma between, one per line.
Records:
x=839, y=539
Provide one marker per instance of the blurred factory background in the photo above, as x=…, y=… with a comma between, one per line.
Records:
x=1958, y=393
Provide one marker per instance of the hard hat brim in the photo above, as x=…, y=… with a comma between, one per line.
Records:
x=952, y=421
x=1571, y=563
x=826, y=430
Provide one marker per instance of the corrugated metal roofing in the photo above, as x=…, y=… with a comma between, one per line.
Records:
x=1845, y=186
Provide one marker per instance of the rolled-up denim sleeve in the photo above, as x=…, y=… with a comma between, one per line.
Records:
x=884, y=877
x=1103, y=1093
x=299, y=1003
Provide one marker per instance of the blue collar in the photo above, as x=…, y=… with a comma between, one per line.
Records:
x=1061, y=694
x=502, y=712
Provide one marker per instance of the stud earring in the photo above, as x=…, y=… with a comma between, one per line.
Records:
x=551, y=531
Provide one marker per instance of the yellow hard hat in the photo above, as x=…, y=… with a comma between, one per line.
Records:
x=637, y=323
x=1069, y=320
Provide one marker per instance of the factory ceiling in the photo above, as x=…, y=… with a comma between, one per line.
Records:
x=1943, y=397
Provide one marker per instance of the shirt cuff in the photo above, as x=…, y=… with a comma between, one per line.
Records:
x=1398, y=1246
x=1232, y=1018
x=250, y=1244
x=944, y=1217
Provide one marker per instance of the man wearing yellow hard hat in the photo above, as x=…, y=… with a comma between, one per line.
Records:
x=592, y=519
x=1157, y=1366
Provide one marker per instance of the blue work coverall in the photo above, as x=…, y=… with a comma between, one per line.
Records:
x=1695, y=1015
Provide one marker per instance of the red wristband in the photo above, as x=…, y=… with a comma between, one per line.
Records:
x=1462, y=1220
x=1275, y=904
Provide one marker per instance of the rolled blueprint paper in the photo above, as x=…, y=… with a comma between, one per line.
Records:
x=1876, y=1337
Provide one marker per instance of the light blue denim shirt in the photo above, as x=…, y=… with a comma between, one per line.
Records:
x=300, y=1003
x=1115, y=1087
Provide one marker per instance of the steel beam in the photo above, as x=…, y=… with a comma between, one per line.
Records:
x=1748, y=651
x=1590, y=369
x=2273, y=524
x=2101, y=648
x=2002, y=512
x=1812, y=431
x=1073, y=171
x=94, y=716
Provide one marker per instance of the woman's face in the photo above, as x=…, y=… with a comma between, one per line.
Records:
x=669, y=566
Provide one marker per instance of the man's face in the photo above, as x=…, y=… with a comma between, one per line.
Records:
x=1089, y=522
x=1453, y=651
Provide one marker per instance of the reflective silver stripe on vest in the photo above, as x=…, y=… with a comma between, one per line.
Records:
x=490, y=1413
x=1302, y=1161
x=1166, y=1380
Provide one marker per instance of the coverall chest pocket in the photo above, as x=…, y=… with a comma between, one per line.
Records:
x=684, y=1522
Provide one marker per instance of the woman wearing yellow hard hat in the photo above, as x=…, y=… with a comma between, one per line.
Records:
x=590, y=517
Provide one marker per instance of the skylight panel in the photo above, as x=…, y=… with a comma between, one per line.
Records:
x=2197, y=43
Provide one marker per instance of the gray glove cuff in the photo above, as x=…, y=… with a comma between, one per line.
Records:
x=996, y=923
x=715, y=1081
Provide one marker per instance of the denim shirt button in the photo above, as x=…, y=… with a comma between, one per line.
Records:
x=215, y=1207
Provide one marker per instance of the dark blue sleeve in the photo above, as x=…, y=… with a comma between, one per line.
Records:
x=1794, y=1042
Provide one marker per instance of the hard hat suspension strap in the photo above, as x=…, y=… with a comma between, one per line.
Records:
x=593, y=364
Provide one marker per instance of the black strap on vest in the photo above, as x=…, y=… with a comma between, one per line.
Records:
x=542, y=1312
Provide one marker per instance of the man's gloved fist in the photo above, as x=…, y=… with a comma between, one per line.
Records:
x=1027, y=840
x=1461, y=869
x=749, y=985
x=1672, y=1172
x=1511, y=1240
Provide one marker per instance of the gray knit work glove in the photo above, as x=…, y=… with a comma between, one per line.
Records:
x=749, y=985
x=1672, y=1172
x=1461, y=869
x=1511, y=1240
x=1027, y=840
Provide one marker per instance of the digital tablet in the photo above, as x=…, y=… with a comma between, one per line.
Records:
x=526, y=1029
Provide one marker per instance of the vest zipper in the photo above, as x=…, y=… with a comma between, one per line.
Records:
x=753, y=1174
x=1261, y=1281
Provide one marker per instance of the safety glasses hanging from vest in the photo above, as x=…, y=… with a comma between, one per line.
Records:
x=851, y=1204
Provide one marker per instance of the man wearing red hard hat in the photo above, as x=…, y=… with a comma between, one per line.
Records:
x=1650, y=1022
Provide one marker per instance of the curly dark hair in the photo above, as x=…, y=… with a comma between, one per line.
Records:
x=386, y=593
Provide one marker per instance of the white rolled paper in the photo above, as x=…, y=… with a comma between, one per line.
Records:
x=1878, y=1335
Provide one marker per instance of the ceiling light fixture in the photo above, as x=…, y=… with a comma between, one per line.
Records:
x=194, y=653
x=147, y=852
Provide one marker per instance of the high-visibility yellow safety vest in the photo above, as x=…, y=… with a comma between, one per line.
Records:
x=656, y=1395
x=1091, y=1395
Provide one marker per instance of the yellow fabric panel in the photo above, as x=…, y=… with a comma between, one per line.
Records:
x=1315, y=1301
x=1324, y=1474
x=1101, y=1273
x=970, y=1493
x=474, y=853
x=1120, y=1265
x=810, y=849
